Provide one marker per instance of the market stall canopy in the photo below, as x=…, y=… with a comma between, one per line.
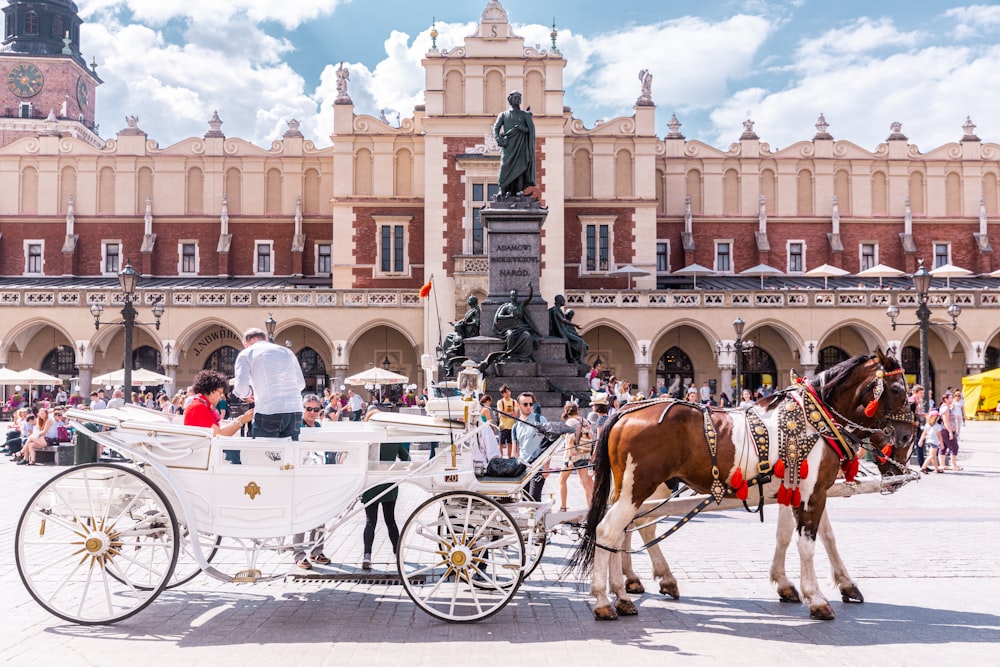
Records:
x=949, y=271
x=762, y=270
x=140, y=376
x=33, y=376
x=377, y=376
x=629, y=271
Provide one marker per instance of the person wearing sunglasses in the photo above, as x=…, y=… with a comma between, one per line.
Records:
x=312, y=409
x=529, y=439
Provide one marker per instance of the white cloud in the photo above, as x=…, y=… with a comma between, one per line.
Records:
x=214, y=12
x=974, y=20
x=692, y=61
x=840, y=46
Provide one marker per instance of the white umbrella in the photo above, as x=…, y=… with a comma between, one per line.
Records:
x=762, y=270
x=880, y=271
x=949, y=271
x=694, y=270
x=140, y=376
x=377, y=375
x=826, y=271
x=995, y=274
x=9, y=376
x=629, y=270
x=33, y=376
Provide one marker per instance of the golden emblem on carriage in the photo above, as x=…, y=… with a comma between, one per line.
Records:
x=252, y=489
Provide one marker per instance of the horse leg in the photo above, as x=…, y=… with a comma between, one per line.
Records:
x=661, y=569
x=808, y=525
x=783, y=537
x=632, y=583
x=849, y=591
x=608, y=564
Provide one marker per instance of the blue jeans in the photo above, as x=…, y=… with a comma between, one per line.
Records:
x=280, y=425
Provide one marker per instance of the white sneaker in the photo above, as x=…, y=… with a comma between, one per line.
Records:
x=366, y=562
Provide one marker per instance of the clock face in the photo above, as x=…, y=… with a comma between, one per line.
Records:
x=82, y=94
x=25, y=80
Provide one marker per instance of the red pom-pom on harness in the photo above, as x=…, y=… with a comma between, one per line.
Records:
x=796, y=497
x=743, y=491
x=736, y=481
x=851, y=470
x=784, y=495
x=779, y=468
x=804, y=469
x=871, y=408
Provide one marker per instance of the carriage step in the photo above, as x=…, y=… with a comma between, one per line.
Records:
x=371, y=578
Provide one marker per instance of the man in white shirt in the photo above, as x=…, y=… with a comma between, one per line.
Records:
x=270, y=376
x=355, y=405
x=117, y=399
x=97, y=401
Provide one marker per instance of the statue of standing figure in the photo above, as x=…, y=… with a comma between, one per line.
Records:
x=514, y=132
x=561, y=326
x=513, y=324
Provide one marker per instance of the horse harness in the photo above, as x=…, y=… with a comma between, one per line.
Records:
x=799, y=408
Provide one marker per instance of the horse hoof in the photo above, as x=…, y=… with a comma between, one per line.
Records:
x=851, y=594
x=634, y=587
x=626, y=608
x=822, y=613
x=671, y=589
x=789, y=594
x=605, y=613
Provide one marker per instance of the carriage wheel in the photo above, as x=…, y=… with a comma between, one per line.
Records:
x=96, y=544
x=461, y=557
x=187, y=565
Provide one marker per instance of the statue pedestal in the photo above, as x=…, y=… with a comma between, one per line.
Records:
x=513, y=226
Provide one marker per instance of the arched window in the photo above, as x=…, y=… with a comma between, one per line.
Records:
x=363, y=172
x=67, y=187
x=992, y=358
x=731, y=193
x=842, y=188
x=454, y=93
x=910, y=358
x=494, y=97
x=29, y=191
x=990, y=194
x=694, y=191
x=830, y=356
x=582, y=174
x=534, y=91
x=674, y=367
x=272, y=193
x=145, y=189
x=223, y=360
x=195, y=190
x=759, y=369
x=805, y=192
x=769, y=189
x=310, y=191
x=404, y=173
x=60, y=361
x=106, y=191
x=917, y=193
x=661, y=192
x=880, y=194
x=147, y=357
x=953, y=194
x=57, y=27
x=31, y=23
x=234, y=191
x=311, y=362
x=624, y=186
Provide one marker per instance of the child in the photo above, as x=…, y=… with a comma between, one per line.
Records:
x=932, y=437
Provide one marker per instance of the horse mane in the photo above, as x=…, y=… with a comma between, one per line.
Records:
x=836, y=374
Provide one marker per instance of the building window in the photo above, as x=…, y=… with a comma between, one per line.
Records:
x=796, y=256
x=57, y=28
x=392, y=241
x=662, y=256
x=24, y=110
x=598, y=242
x=724, y=256
x=188, y=251
x=324, y=258
x=111, y=257
x=482, y=193
x=869, y=255
x=942, y=254
x=264, y=252
x=31, y=23
x=34, y=257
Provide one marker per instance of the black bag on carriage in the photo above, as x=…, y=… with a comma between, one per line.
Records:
x=505, y=467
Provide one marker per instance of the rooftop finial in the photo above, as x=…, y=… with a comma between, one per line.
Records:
x=434, y=33
x=553, y=35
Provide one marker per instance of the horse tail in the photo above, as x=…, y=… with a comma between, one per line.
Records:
x=582, y=560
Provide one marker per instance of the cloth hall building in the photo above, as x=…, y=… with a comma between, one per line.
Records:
x=335, y=243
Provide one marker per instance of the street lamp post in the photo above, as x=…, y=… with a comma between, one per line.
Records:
x=128, y=278
x=738, y=326
x=922, y=285
x=269, y=324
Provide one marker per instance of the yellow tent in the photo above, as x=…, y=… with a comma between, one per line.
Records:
x=981, y=392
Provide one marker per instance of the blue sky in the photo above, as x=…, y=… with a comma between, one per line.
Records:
x=259, y=63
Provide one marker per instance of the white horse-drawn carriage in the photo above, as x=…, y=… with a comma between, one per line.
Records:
x=98, y=542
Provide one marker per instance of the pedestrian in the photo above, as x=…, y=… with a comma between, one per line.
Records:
x=530, y=440
x=355, y=405
x=209, y=388
x=270, y=376
x=949, y=439
x=507, y=407
x=931, y=438
x=916, y=402
x=388, y=451
x=576, y=455
x=312, y=408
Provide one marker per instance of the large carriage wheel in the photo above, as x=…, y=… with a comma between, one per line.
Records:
x=96, y=544
x=461, y=557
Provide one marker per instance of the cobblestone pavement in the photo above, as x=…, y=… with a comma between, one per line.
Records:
x=926, y=558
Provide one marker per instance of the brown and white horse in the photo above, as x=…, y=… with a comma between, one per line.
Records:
x=806, y=432
x=891, y=460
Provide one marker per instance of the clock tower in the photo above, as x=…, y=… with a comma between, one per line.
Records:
x=45, y=84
